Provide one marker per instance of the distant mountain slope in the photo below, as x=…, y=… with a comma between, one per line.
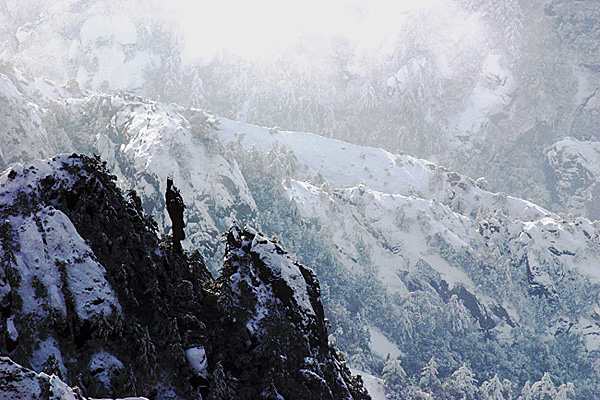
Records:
x=481, y=86
x=574, y=166
x=424, y=256
x=343, y=164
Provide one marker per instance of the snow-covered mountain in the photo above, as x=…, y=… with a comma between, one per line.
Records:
x=446, y=254
x=415, y=260
x=142, y=141
x=481, y=86
x=91, y=296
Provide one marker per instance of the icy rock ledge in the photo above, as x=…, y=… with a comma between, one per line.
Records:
x=274, y=304
x=263, y=266
x=18, y=382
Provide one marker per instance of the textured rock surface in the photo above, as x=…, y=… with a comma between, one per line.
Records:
x=275, y=303
x=89, y=293
x=17, y=382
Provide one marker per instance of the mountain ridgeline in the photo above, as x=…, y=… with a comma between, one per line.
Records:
x=89, y=293
x=429, y=281
x=483, y=87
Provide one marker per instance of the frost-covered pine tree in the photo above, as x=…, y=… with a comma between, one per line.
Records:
x=219, y=388
x=462, y=384
x=331, y=125
x=394, y=375
x=429, y=375
x=459, y=318
x=492, y=389
x=565, y=391
x=544, y=389
x=405, y=325
x=509, y=388
x=368, y=98
x=197, y=98
x=526, y=392
x=507, y=14
x=172, y=70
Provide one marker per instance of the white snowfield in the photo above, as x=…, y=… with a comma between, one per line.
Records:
x=344, y=164
x=394, y=212
x=196, y=356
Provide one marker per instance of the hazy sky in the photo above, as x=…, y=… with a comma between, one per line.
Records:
x=257, y=28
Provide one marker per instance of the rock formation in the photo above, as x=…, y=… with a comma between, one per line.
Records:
x=90, y=295
x=175, y=207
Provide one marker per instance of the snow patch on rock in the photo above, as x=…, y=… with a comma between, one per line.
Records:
x=17, y=382
x=69, y=265
x=196, y=356
x=103, y=366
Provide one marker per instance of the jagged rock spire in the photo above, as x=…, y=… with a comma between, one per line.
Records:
x=175, y=207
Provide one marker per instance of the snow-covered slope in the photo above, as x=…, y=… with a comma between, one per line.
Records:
x=439, y=244
x=411, y=250
x=343, y=164
x=398, y=235
x=373, y=384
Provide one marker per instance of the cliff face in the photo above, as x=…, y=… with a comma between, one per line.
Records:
x=275, y=303
x=89, y=293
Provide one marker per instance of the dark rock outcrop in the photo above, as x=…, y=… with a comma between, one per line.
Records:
x=88, y=292
x=17, y=382
x=175, y=207
x=274, y=304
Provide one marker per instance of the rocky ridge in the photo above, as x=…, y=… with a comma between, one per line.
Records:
x=91, y=295
x=407, y=251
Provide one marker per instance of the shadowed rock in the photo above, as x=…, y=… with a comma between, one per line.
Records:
x=175, y=208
